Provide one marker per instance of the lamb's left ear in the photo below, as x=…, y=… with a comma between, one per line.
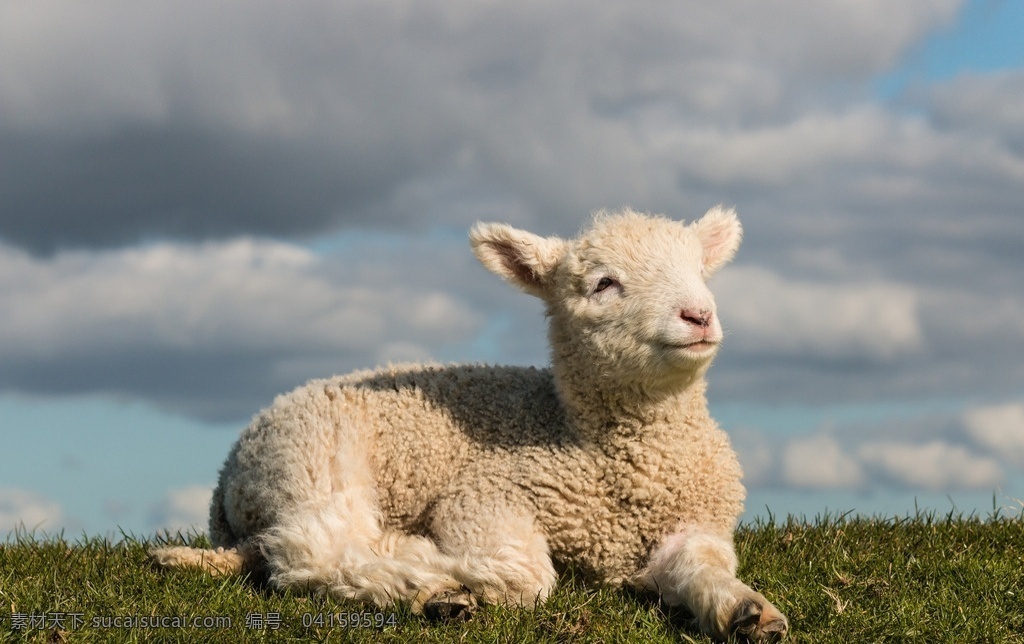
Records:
x=720, y=233
x=522, y=258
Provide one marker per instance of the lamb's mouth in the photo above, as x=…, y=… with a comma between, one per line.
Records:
x=700, y=346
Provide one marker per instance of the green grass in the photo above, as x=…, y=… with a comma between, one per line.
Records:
x=838, y=579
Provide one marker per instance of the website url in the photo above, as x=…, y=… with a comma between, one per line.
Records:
x=160, y=621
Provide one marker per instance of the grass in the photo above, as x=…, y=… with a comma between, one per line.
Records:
x=838, y=579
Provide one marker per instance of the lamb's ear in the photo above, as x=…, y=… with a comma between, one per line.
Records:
x=720, y=233
x=522, y=258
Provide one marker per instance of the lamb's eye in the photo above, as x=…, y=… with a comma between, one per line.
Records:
x=603, y=283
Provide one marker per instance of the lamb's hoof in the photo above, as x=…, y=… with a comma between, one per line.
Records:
x=449, y=605
x=756, y=620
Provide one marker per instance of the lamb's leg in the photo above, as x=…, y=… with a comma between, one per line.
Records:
x=697, y=569
x=338, y=548
x=220, y=561
x=499, y=554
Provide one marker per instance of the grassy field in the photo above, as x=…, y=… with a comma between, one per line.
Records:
x=923, y=579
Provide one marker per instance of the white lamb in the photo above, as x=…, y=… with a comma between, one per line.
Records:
x=444, y=485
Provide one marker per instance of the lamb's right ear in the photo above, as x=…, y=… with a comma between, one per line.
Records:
x=522, y=258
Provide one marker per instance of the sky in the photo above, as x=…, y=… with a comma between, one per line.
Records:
x=204, y=204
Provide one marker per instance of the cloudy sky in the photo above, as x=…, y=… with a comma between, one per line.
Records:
x=203, y=204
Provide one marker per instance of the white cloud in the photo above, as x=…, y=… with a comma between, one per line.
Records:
x=216, y=329
x=26, y=509
x=984, y=104
x=765, y=313
x=184, y=509
x=258, y=295
x=780, y=154
x=999, y=429
x=820, y=462
x=756, y=455
x=935, y=465
x=923, y=453
x=228, y=57
x=1001, y=320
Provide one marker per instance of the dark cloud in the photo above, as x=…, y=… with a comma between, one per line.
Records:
x=180, y=182
x=124, y=123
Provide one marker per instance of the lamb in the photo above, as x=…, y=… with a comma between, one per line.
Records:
x=445, y=486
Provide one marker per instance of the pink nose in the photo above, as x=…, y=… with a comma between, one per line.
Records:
x=701, y=318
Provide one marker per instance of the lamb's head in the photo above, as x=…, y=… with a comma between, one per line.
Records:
x=627, y=299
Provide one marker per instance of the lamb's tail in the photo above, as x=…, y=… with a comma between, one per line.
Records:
x=220, y=561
